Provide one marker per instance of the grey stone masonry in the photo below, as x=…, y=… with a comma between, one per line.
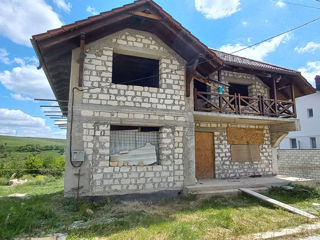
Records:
x=98, y=73
x=224, y=167
x=112, y=180
x=299, y=163
x=255, y=86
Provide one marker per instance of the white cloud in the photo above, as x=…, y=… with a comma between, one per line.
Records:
x=311, y=47
x=20, y=19
x=258, y=52
x=92, y=10
x=4, y=56
x=215, y=9
x=17, y=123
x=310, y=71
x=26, y=80
x=280, y=4
x=63, y=5
x=244, y=23
x=19, y=97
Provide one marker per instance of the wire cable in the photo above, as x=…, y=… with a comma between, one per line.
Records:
x=237, y=51
x=298, y=4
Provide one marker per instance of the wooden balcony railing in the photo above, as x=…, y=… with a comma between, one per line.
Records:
x=237, y=104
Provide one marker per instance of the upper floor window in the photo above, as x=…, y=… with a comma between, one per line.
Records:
x=293, y=143
x=130, y=70
x=310, y=112
x=313, y=142
x=238, y=89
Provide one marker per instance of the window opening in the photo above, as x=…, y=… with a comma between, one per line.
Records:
x=133, y=145
x=130, y=70
x=313, y=142
x=293, y=142
x=310, y=112
x=238, y=89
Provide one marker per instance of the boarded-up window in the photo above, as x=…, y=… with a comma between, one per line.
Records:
x=245, y=144
x=245, y=136
x=245, y=153
x=128, y=138
x=134, y=145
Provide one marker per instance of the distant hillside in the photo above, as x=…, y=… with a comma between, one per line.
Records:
x=21, y=141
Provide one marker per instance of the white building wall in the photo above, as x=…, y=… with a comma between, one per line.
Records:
x=310, y=126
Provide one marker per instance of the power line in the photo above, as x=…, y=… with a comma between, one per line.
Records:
x=242, y=49
x=298, y=4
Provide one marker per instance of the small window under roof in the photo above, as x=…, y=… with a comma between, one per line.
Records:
x=238, y=89
x=130, y=70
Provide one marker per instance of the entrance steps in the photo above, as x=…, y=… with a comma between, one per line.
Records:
x=230, y=187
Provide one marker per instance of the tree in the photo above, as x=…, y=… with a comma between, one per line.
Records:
x=33, y=163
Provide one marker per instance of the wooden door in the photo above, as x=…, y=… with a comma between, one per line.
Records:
x=204, y=155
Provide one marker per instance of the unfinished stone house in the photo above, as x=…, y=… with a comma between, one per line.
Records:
x=150, y=108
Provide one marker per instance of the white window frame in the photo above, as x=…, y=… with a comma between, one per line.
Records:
x=311, y=143
x=308, y=112
x=291, y=145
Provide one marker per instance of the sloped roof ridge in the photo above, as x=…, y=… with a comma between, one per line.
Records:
x=78, y=23
x=252, y=60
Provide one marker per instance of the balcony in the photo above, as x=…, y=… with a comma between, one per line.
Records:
x=244, y=105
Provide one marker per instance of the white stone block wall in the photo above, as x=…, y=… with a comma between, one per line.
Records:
x=299, y=163
x=103, y=103
x=255, y=86
x=98, y=74
x=224, y=167
x=128, y=179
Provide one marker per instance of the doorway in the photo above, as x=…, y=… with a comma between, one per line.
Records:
x=204, y=143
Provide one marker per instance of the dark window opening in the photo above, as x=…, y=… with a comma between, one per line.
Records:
x=134, y=145
x=130, y=70
x=313, y=142
x=310, y=112
x=293, y=142
x=201, y=87
x=238, y=89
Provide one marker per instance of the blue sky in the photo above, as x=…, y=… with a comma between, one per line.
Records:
x=227, y=25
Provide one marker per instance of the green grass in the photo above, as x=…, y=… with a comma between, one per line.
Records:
x=14, y=151
x=20, y=141
x=46, y=211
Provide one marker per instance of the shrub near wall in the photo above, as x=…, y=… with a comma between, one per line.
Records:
x=299, y=163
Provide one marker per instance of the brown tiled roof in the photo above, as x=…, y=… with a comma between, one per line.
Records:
x=238, y=61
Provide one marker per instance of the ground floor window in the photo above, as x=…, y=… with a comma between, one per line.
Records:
x=293, y=143
x=245, y=153
x=313, y=142
x=134, y=145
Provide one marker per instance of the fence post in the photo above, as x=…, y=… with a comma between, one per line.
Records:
x=195, y=93
x=220, y=102
x=262, y=105
x=239, y=103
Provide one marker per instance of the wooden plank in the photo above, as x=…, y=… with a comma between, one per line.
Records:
x=240, y=136
x=147, y=15
x=245, y=153
x=204, y=155
x=277, y=203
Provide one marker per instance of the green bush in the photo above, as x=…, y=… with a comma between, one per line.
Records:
x=60, y=163
x=33, y=163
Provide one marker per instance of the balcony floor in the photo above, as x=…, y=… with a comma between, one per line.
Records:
x=237, y=118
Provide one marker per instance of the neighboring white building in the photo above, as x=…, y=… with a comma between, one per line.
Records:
x=308, y=111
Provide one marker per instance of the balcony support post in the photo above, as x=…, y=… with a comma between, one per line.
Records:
x=195, y=93
x=275, y=96
x=262, y=105
x=293, y=98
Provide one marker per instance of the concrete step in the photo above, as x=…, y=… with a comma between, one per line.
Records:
x=208, y=188
x=225, y=193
